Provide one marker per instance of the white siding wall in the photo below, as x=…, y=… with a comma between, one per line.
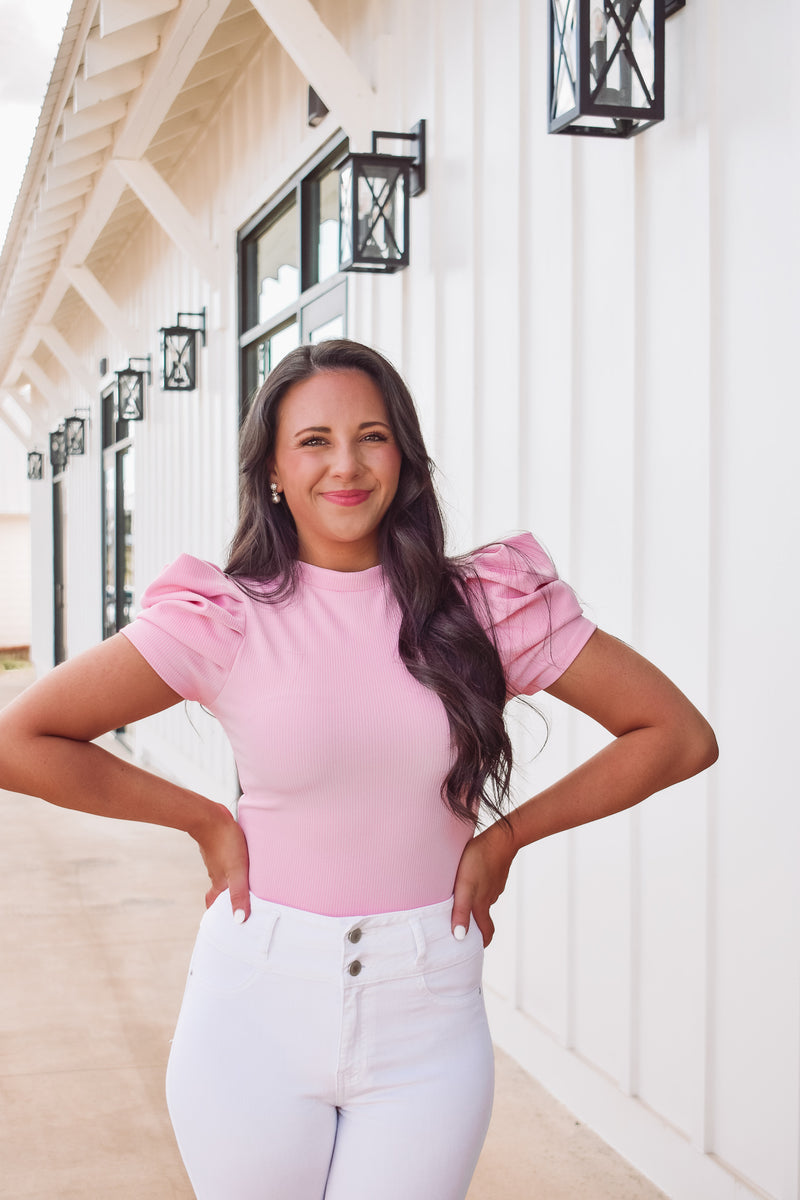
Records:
x=15, y=544
x=600, y=337
x=15, y=588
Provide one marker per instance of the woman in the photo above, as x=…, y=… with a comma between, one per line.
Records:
x=332, y=1040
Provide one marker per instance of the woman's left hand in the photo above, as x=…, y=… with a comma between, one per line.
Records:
x=481, y=878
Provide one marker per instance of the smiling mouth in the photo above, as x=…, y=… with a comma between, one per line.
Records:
x=346, y=498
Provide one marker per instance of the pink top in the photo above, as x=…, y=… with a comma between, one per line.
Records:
x=341, y=753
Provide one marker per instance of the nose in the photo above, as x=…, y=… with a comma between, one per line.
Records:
x=346, y=463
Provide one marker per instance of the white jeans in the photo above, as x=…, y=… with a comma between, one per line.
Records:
x=331, y=1057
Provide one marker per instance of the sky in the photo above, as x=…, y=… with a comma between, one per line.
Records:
x=30, y=35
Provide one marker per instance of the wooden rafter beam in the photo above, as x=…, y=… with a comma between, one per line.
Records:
x=181, y=45
x=49, y=391
x=69, y=360
x=325, y=64
x=24, y=418
x=15, y=428
x=107, y=311
x=173, y=217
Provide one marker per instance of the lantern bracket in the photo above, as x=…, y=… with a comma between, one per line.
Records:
x=417, y=135
x=200, y=316
x=148, y=359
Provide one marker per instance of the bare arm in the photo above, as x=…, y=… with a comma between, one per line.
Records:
x=46, y=750
x=659, y=739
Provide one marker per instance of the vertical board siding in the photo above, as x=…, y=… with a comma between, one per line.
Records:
x=758, y=832
x=600, y=338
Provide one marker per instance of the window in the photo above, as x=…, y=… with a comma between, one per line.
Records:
x=291, y=290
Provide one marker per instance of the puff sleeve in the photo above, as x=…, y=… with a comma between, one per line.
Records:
x=537, y=621
x=190, y=628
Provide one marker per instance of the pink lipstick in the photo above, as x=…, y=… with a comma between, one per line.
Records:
x=346, y=498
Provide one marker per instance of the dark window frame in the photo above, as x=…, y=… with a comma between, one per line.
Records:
x=301, y=194
x=117, y=441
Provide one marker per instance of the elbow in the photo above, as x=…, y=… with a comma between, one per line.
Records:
x=16, y=752
x=701, y=750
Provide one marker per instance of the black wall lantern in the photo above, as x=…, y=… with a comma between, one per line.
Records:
x=374, y=194
x=130, y=390
x=58, y=449
x=75, y=432
x=179, y=352
x=607, y=66
x=35, y=464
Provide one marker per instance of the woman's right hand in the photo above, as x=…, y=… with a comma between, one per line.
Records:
x=224, y=850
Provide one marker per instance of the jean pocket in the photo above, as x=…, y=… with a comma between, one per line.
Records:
x=455, y=982
x=221, y=971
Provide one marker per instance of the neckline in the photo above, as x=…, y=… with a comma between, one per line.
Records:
x=341, y=581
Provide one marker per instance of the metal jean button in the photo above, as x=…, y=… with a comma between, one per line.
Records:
x=354, y=936
x=355, y=967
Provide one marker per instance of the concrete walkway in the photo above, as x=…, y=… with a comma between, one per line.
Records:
x=98, y=919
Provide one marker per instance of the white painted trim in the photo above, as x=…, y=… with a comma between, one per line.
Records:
x=121, y=14
x=119, y=82
x=82, y=147
x=76, y=125
x=656, y=1149
x=113, y=49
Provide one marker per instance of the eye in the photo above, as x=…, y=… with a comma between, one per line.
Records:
x=313, y=441
x=375, y=436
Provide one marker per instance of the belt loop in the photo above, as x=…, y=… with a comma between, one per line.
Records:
x=419, y=938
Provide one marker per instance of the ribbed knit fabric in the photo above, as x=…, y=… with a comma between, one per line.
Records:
x=341, y=753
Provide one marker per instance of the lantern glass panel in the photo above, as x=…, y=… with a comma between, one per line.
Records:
x=381, y=213
x=565, y=56
x=346, y=214
x=35, y=465
x=58, y=450
x=75, y=434
x=622, y=52
x=130, y=385
x=179, y=364
x=278, y=265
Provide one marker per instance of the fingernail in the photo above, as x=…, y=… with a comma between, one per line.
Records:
x=238, y=916
x=459, y=933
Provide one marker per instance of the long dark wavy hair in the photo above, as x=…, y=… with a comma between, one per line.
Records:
x=441, y=641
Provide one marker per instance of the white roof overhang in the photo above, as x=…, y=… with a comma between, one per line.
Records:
x=132, y=87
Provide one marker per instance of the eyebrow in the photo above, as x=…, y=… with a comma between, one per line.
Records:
x=327, y=428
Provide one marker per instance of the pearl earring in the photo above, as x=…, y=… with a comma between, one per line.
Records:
x=276, y=496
